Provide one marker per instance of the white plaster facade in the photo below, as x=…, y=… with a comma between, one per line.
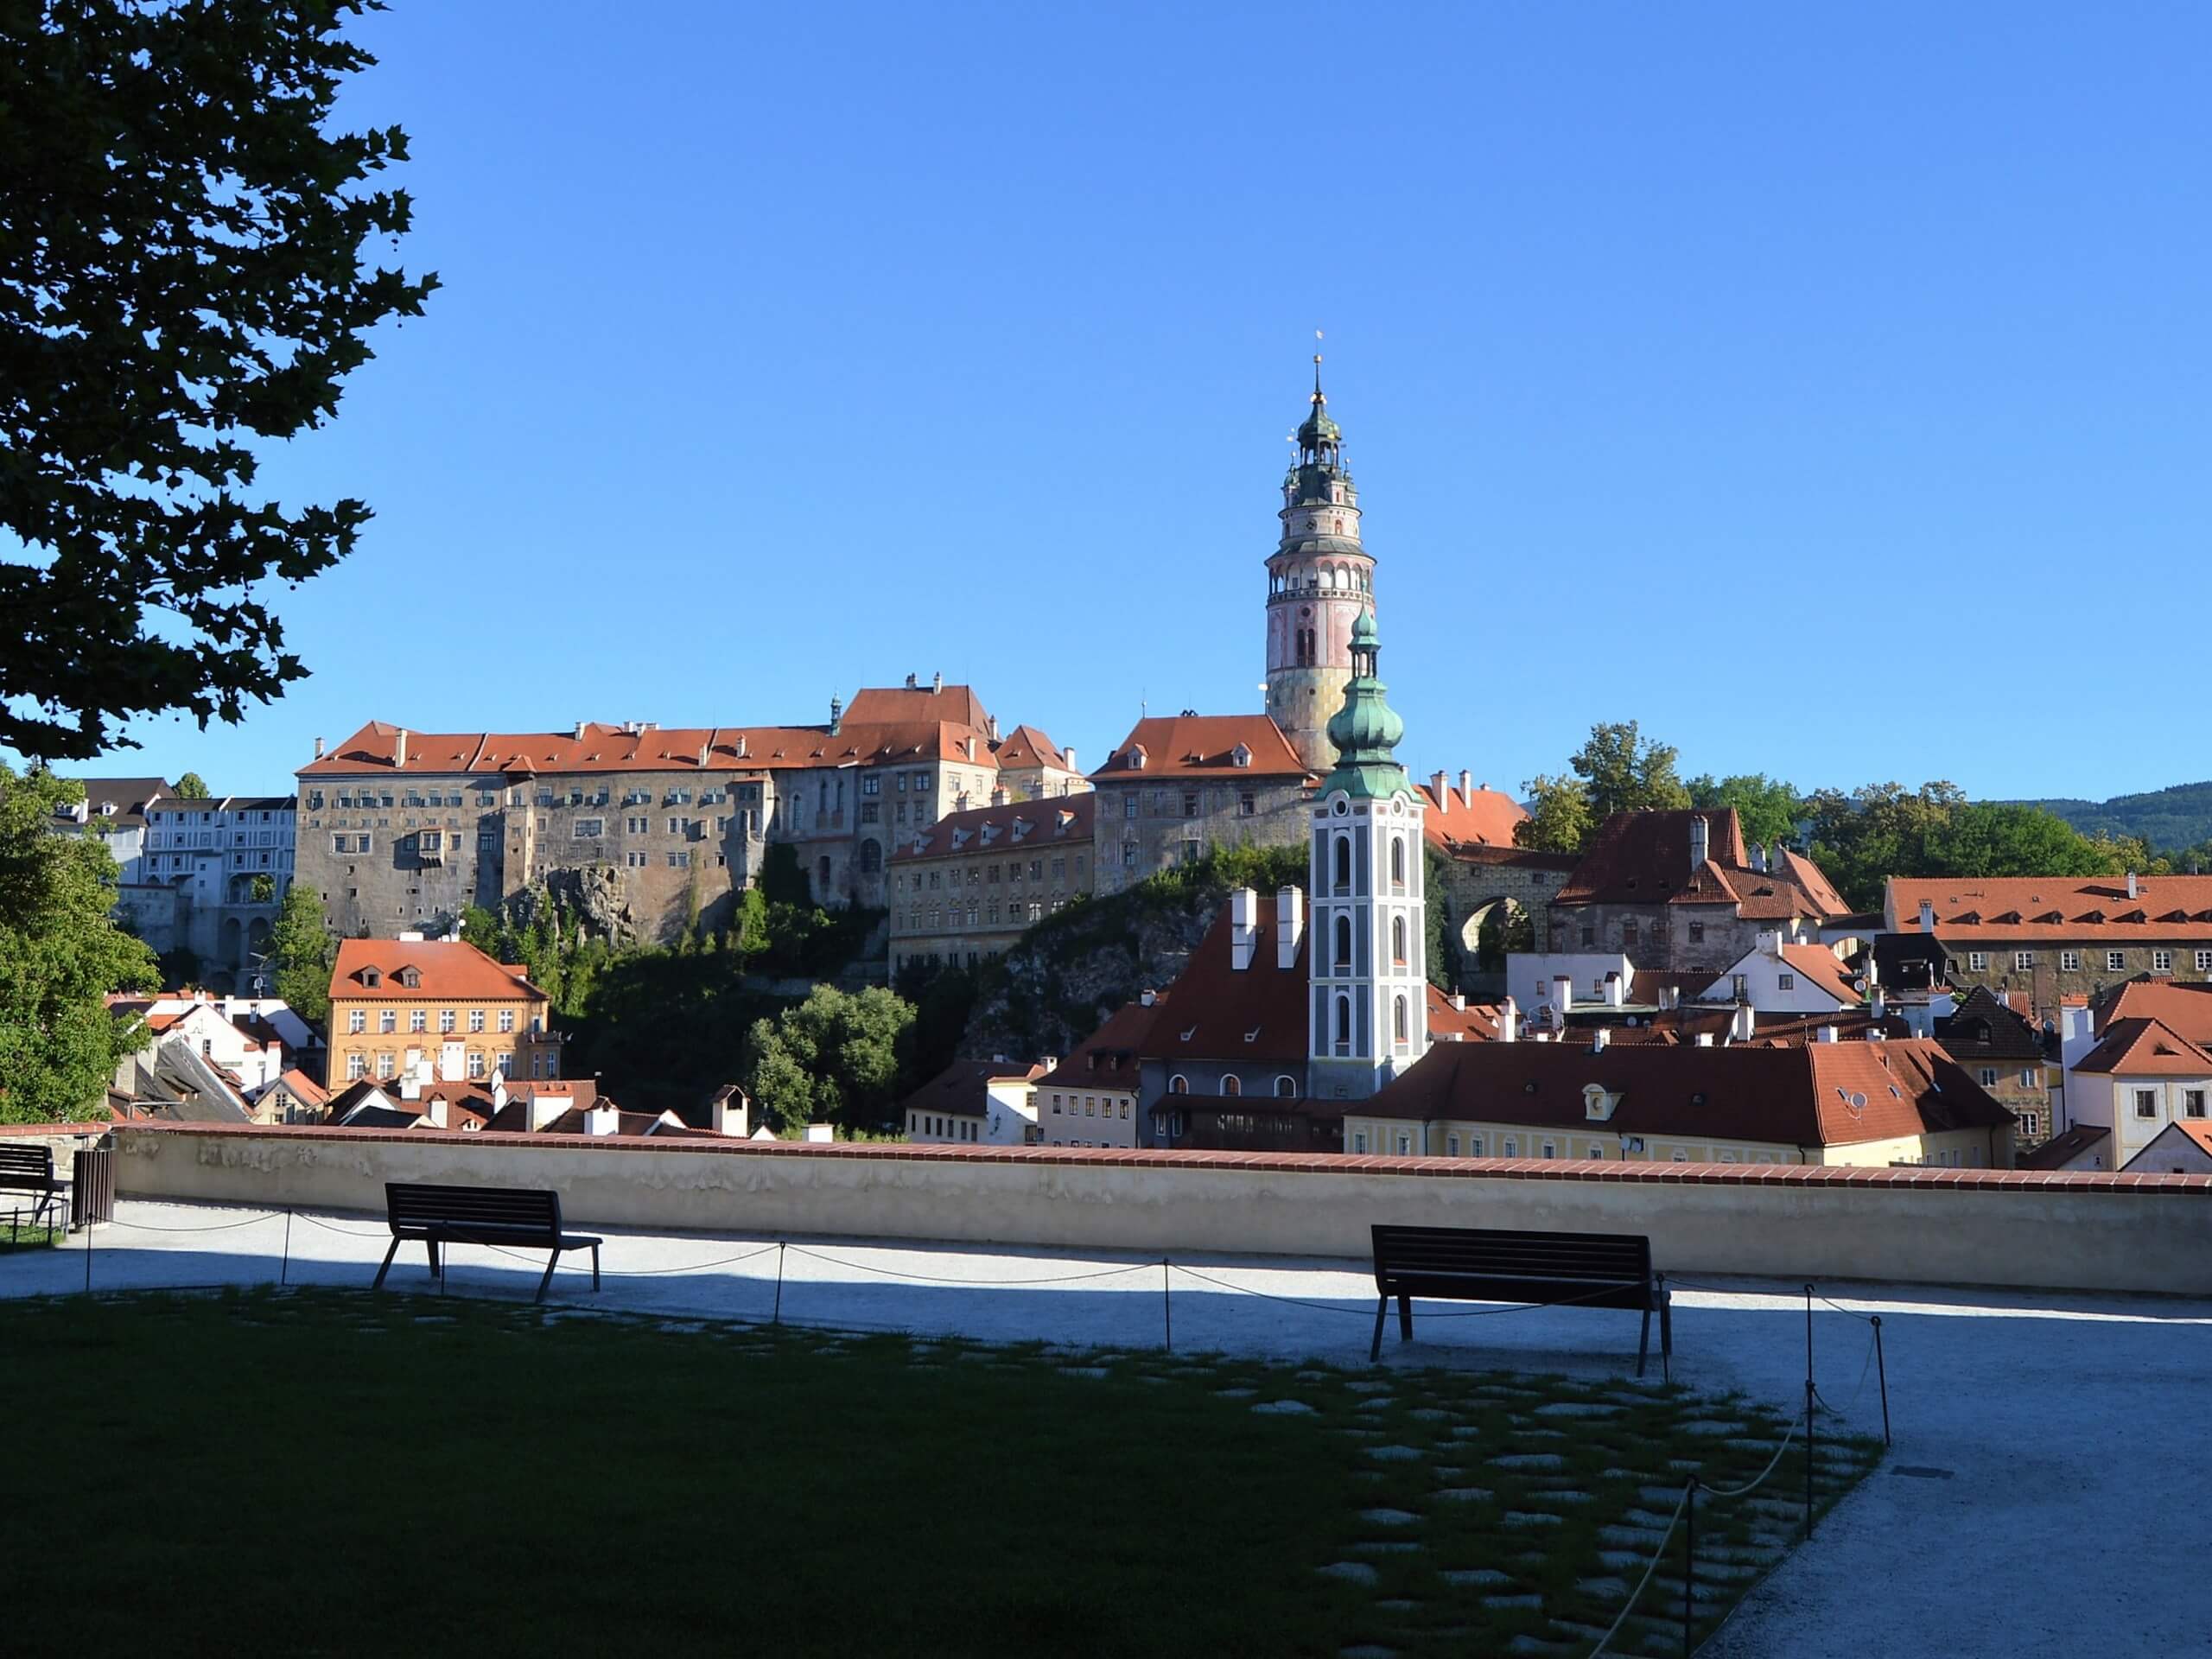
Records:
x=1368, y=963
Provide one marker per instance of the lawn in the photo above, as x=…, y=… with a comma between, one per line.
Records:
x=16, y=1234
x=273, y=1470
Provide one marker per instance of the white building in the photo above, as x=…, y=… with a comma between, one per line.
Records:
x=1781, y=975
x=975, y=1103
x=115, y=809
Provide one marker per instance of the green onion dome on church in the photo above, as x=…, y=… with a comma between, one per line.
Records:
x=1366, y=730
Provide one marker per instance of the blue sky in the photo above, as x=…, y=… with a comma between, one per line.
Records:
x=1824, y=388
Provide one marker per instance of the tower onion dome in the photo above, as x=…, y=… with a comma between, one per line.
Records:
x=1318, y=428
x=1366, y=730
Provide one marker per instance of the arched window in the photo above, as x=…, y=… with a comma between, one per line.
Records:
x=1398, y=940
x=1343, y=955
x=1179, y=1085
x=1343, y=856
x=1397, y=860
x=1344, y=1025
x=871, y=858
x=1286, y=1088
x=1231, y=1086
x=1398, y=1018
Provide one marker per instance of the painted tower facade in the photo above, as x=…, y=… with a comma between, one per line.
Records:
x=1365, y=871
x=1320, y=581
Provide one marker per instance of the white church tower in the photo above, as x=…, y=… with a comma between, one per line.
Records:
x=1370, y=920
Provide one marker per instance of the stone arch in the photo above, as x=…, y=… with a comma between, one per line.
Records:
x=1494, y=927
x=871, y=858
x=231, y=940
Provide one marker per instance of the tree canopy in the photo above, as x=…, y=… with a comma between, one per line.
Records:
x=60, y=953
x=181, y=278
x=301, y=954
x=836, y=1057
x=193, y=787
x=1766, y=807
x=1627, y=771
x=1559, y=818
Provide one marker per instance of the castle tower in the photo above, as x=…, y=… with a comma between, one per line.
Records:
x=1320, y=581
x=1369, y=924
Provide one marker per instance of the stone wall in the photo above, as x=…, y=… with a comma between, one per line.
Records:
x=1476, y=877
x=2089, y=1232
x=1164, y=825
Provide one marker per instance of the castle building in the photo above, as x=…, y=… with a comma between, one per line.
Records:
x=1320, y=582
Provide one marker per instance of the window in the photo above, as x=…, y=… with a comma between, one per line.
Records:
x=2069, y=962
x=1286, y=1088
x=1232, y=1086
x=1189, y=803
x=1342, y=953
x=1397, y=860
x=384, y=1064
x=1510, y=1148
x=1989, y=1077
x=476, y=1019
x=588, y=828
x=2162, y=962
x=418, y=1020
x=679, y=860
x=445, y=1022
x=1977, y=962
x=1551, y=1149
x=2192, y=1102
x=1474, y=1146
x=1246, y=806
x=2115, y=961
x=2028, y=1078
x=2030, y=1124
x=1629, y=934
x=356, y=1022
x=387, y=1020
x=2204, y=962
x=1344, y=1027
x=1451, y=1145
x=1398, y=940
x=1398, y=1020
x=2023, y=960
x=1125, y=1110
x=1359, y=1139
x=1179, y=1085
x=1697, y=932
x=1785, y=982
x=356, y=1064
x=1589, y=934
x=2146, y=1103
x=1343, y=870
x=506, y=1019
x=1405, y=1143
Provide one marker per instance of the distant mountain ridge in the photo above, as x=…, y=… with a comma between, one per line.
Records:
x=2169, y=820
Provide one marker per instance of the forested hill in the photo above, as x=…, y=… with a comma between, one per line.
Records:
x=2169, y=820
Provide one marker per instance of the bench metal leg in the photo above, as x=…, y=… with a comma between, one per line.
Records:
x=594, y=1267
x=1382, y=1313
x=1665, y=1336
x=1643, y=1342
x=386, y=1267
x=551, y=1262
x=1405, y=1319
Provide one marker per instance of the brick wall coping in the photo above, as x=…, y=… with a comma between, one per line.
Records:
x=51, y=1130
x=1280, y=1163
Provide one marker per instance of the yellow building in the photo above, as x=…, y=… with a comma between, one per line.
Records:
x=439, y=1008
x=1864, y=1104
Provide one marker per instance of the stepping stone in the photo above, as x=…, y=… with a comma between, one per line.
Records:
x=1352, y=1571
x=1369, y=1387
x=1374, y=1402
x=1513, y=1601
x=1232, y=1394
x=1604, y=1589
x=1656, y=1495
x=1398, y=1604
x=1284, y=1408
x=1465, y=1494
x=1388, y=1547
x=1646, y=1519
x=1563, y=1496
x=1540, y=1433
x=1393, y=1453
x=1465, y=1431
x=1476, y=1575
x=1635, y=1537
x=1704, y=1426
x=1083, y=1370
x=1529, y=1460
x=1388, y=1517
x=1578, y=1409
x=1431, y=1414
x=1684, y=1466
x=1533, y=1645
x=1531, y=1518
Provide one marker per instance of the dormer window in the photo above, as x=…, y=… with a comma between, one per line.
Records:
x=1598, y=1102
x=1133, y=755
x=371, y=977
x=411, y=978
x=1240, y=756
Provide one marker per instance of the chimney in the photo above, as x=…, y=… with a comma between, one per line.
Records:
x=1562, y=997
x=1697, y=843
x=971, y=740
x=1146, y=998
x=1771, y=944
x=1742, y=1024
x=1880, y=1003
x=1459, y=1001
x=1616, y=991
x=1758, y=857
x=436, y=1114
x=601, y=1118
x=1466, y=786
x=1927, y=916
x=836, y=715
x=936, y=684
x=998, y=794
x=818, y=1135
x=410, y=1084
x=1290, y=926
x=2132, y=892
x=1068, y=755
x=544, y=1108
x=1599, y=1039
x=1671, y=998
x=1436, y=789
x=579, y=732
x=1704, y=1039
x=910, y=682
x=1509, y=1022
x=732, y=1111
x=318, y=748
x=1827, y=1034
x=400, y=749
x=1243, y=927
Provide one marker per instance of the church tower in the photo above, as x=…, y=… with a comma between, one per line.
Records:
x=1365, y=872
x=1320, y=581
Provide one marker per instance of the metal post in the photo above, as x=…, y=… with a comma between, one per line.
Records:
x=284, y=1273
x=1882, y=1378
x=1809, y=1457
x=88, y=1261
x=1809, y=1337
x=777, y=1318
x=1690, y=1562
x=1166, y=1306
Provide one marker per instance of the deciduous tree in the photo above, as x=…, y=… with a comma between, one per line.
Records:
x=181, y=278
x=192, y=787
x=1627, y=771
x=1766, y=807
x=60, y=953
x=836, y=1057
x=301, y=954
x=1559, y=815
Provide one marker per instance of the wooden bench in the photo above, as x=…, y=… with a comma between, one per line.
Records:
x=1468, y=1264
x=518, y=1218
x=31, y=1169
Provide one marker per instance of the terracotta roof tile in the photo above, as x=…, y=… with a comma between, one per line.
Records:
x=449, y=969
x=1018, y=826
x=2054, y=907
x=1481, y=817
x=1201, y=746
x=2137, y=1047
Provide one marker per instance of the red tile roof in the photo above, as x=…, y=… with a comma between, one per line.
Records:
x=953, y=705
x=1482, y=817
x=1825, y=1094
x=305, y=1088
x=963, y=1088
x=2184, y=1007
x=1201, y=746
x=1819, y=964
x=1644, y=858
x=450, y=970
x=2064, y=1148
x=1018, y=826
x=1216, y=1012
x=1026, y=746
x=1108, y=1057
x=2145, y=1048
x=2036, y=907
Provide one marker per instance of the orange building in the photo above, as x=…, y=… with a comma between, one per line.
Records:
x=439, y=1008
